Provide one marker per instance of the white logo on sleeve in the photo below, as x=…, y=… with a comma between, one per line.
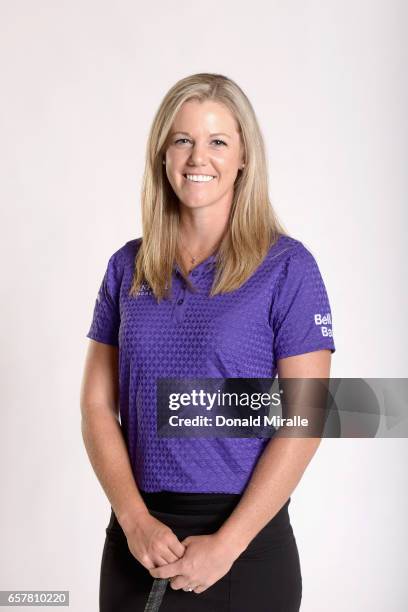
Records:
x=324, y=321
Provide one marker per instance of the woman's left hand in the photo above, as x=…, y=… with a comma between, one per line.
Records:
x=206, y=559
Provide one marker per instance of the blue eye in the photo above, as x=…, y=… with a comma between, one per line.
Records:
x=215, y=140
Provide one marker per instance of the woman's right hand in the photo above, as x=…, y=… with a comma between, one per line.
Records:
x=153, y=543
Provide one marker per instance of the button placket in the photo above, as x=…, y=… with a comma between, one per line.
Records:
x=195, y=276
x=180, y=299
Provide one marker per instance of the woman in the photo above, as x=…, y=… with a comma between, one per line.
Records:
x=215, y=288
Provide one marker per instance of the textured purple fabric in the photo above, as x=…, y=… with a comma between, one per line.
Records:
x=281, y=310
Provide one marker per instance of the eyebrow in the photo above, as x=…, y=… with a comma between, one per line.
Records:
x=216, y=134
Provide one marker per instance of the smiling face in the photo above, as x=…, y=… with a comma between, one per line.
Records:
x=204, y=154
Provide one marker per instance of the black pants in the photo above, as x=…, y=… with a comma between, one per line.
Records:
x=266, y=577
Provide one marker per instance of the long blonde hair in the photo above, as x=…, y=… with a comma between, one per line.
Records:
x=253, y=225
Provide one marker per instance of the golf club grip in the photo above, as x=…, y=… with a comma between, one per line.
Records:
x=156, y=594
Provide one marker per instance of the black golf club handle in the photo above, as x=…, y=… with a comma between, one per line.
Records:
x=156, y=594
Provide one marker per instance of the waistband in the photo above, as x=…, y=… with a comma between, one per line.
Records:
x=190, y=503
x=202, y=513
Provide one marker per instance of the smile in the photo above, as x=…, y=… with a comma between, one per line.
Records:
x=199, y=178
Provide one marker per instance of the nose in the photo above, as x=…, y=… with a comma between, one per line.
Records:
x=198, y=156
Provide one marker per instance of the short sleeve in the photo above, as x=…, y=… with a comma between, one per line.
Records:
x=301, y=316
x=106, y=315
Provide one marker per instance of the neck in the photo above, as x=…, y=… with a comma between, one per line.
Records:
x=202, y=229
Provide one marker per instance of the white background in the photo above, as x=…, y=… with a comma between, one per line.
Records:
x=81, y=82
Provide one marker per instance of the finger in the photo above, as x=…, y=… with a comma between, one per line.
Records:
x=169, y=556
x=164, y=557
x=200, y=589
x=147, y=562
x=159, y=561
x=177, y=548
x=167, y=571
x=179, y=582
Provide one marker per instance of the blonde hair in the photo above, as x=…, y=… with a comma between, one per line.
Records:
x=253, y=225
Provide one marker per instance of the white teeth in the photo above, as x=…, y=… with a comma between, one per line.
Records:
x=199, y=178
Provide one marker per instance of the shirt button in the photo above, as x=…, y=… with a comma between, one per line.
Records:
x=177, y=273
x=180, y=301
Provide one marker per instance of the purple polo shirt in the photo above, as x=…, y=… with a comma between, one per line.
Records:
x=281, y=310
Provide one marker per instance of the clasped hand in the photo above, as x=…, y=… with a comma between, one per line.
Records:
x=195, y=563
x=206, y=559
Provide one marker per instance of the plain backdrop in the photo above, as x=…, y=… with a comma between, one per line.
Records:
x=80, y=84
